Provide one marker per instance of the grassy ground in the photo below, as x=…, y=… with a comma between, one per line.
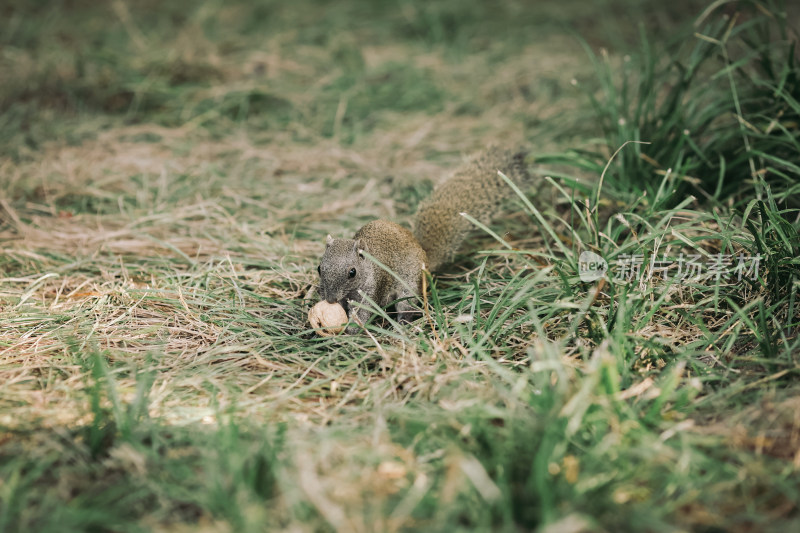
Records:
x=169, y=171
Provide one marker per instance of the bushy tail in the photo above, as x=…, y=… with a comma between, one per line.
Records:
x=474, y=188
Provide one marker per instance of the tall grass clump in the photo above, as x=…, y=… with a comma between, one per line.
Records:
x=716, y=111
x=698, y=157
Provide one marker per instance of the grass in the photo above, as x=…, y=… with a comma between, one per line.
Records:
x=169, y=173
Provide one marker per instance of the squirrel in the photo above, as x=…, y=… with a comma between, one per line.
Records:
x=347, y=274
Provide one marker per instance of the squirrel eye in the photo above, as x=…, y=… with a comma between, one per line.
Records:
x=352, y=273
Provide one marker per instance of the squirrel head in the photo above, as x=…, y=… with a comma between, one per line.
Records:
x=343, y=270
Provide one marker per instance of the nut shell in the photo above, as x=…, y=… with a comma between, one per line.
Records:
x=327, y=319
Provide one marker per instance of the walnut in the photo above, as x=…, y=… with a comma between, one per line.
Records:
x=327, y=319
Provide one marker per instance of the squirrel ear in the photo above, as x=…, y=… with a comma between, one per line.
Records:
x=358, y=247
x=328, y=240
